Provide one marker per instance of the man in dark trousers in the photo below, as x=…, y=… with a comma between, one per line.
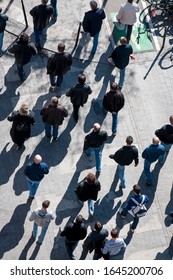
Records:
x=74, y=232
x=79, y=95
x=120, y=57
x=23, y=50
x=125, y=156
x=58, y=65
x=3, y=21
x=92, y=23
x=113, y=102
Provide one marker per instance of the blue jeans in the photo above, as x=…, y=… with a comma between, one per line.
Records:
x=91, y=207
x=95, y=42
x=42, y=235
x=98, y=156
x=121, y=173
x=54, y=5
x=147, y=165
x=1, y=40
x=122, y=77
x=135, y=219
x=32, y=186
x=37, y=34
x=48, y=130
x=162, y=158
x=55, y=80
x=114, y=119
x=70, y=246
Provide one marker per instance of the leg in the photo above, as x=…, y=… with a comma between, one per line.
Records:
x=30, y=187
x=37, y=37
x=114, y=122
x=52, y=79
x=95, y=43
x=20, y=71
x=162, y=158
x=121, y=171
x=91, y=207
x=129, y=32
x=147, y=165
x=1, y=41
x=54, y=5
x=98, y=157
x=70, y=246
x=122, y=78
x=35, y=230
x=34, y=188
x=42, y=235
x=76, y=112
x=47, y=127
x=134, y=224
x=55, y=132
x=59, y=80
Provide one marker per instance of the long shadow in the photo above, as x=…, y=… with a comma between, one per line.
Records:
x=116, y=193
x=23, y=254
x=19, y=184
x=167, y=254
x=168, y=209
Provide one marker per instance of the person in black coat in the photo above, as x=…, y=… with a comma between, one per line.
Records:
x=21, y=128
x=79, y=95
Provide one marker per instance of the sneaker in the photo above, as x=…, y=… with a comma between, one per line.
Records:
x=122, y=186
x=131, y=229
x=97, y=174
x=39, y=243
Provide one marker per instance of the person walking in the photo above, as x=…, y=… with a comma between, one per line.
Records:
x=22, y=120
x=127, y=16
x=35, y=172
x=150, y=155
x=53, y=116
x=79, y=95
x=132, y=204
x=92, y=23
x=125, y=156
x=94, y=141
x=88, y=190
x=3, y=22
x=58, y=65
x=55, y=13
x=165, y=134
x=113, y=102
x=23, y=50
x=120, y=57
x=74, y=232
x=42, y=218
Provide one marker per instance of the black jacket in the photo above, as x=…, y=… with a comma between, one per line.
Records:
x=41, y=15
x=79, y=94
x=59, y=63
x=92, y=21
x=165, y=134
x=121, y=55
x=95, y=239
x=126, y=155
x=53, y=115
x=74, y=231
x=95, y=139
x=113, y=101
x=23, y=52
x=85, y=191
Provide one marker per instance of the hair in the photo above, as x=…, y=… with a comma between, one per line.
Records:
x=44, y=2
x=0, y=9
x=114, y=233
x=93, y=5
x=129, y=140
x=114, y=86
x=24, y=109
x=79, y=219
x=91, y=178
x=61, y=47
x=123, y=41
x=171, y=119
x=46, y=204
x=98, y=226
x=81, y=79
x=136, y=189
x=130, y=1
x=54, y=101
x=24, y=37
x=96, y=127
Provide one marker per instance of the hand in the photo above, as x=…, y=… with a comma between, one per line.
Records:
x=110, y=59
x=136, y=164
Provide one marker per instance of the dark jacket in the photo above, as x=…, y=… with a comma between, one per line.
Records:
x=95, y=239
x=153, y=152
x=3, y=21
x=126, y=155
x=59, y=63
x=92, y=21
x=139, y=197
x=121, y=55
x=53, y=115
x=113, y=101
x=41, y=15
x=95, y=139
x=165, y=134
x=23, y=52
x=85, y=191
x=74, y=231
x=35, y=172
x=79, y=94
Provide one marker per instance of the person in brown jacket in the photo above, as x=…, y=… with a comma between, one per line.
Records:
x=53, y=116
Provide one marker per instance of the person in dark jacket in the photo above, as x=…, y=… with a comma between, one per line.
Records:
x=92, y=23
x=3, y=21
x=125, y=156
x=88, y=190
x=79, y=95
x=58, y=65
x=41, y=15
x=151, y=154
x=21, y=128
x=74, y=232
x=120, y=57
x=113, y=102
x=53, y=115
x=35, y=172
x=23, y=50
x=94, y=141
x=165, y=134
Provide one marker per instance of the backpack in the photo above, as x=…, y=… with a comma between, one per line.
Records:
x=140, y=210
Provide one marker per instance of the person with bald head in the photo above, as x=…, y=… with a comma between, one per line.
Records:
x=35, y=172
x=150, y=155
x=94, y=142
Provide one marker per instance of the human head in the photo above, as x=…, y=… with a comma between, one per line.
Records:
x=114, y=233
x=171, y=119
x=24, y=37
x=91, y=178
x=79, y=219
x=96, y=127
x=93, y=5
x=24, y=109
x=54, y=101
x=61, y=47
x=136, y=189
x=37, y=159
x=130, y=1
x=123, y=41
x=129, y=140
x=81, y=79
x=44, y=2
x=46, y=204
x=114, y=86
x=155, y=140
x=98, y=226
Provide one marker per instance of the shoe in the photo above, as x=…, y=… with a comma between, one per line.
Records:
x=114, y=133
x=148, y=184
x=131, y=229
x=122, y=187
x=48, y=136
x=39, y=243
x=55, y=138
x=123, y=217
x=52, y=88
x=120, y=88
x=97, y=174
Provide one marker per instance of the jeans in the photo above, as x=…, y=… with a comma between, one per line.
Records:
x=32, y=186
x=48, y=130
x=37, y=36
x=135, y=220
x=95, y=42
x=91, y=207
x=1, y=40
x=121, y=173
x=70, y=246
x=76, y=112
x=147, y=165
x=114, y=119
x=129, y=32
x=42, y=235
x=98, y=156
x=54, y=5
x=162, y=158
x=122, y=77
x=55, y=80
x=20, y=71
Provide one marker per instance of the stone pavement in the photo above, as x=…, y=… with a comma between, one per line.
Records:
x=149, y=103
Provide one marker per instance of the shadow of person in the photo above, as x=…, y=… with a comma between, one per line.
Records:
x=23, y=254
x=18, y=185
x=35, y=252
x=59, y=250
x=167, y=254
x=13, y=231
x=112, y=190
x=168, y=209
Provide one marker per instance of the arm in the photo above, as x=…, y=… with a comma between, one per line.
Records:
x=120, y=14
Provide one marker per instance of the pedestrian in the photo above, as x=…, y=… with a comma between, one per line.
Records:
x=114, y=246
x=88, y=190
x=150, y=155
x=42, y=218
x=58, y=65
x=55, y=13
x=53, y=116
x=95, y=241
x=79, y=95
x=127, y=16
x=74, y=232
x=41, y=15
x=92, y=23
x=120, y=57
x=113, y=102
x=94, y=141
x=137, y=200
x=35, y=172
x=3, y=21
x=125, y=156
x=23, y=50
x=22, y=120
x=165, y=134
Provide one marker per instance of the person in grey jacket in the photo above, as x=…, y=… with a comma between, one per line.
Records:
x=42, y=218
